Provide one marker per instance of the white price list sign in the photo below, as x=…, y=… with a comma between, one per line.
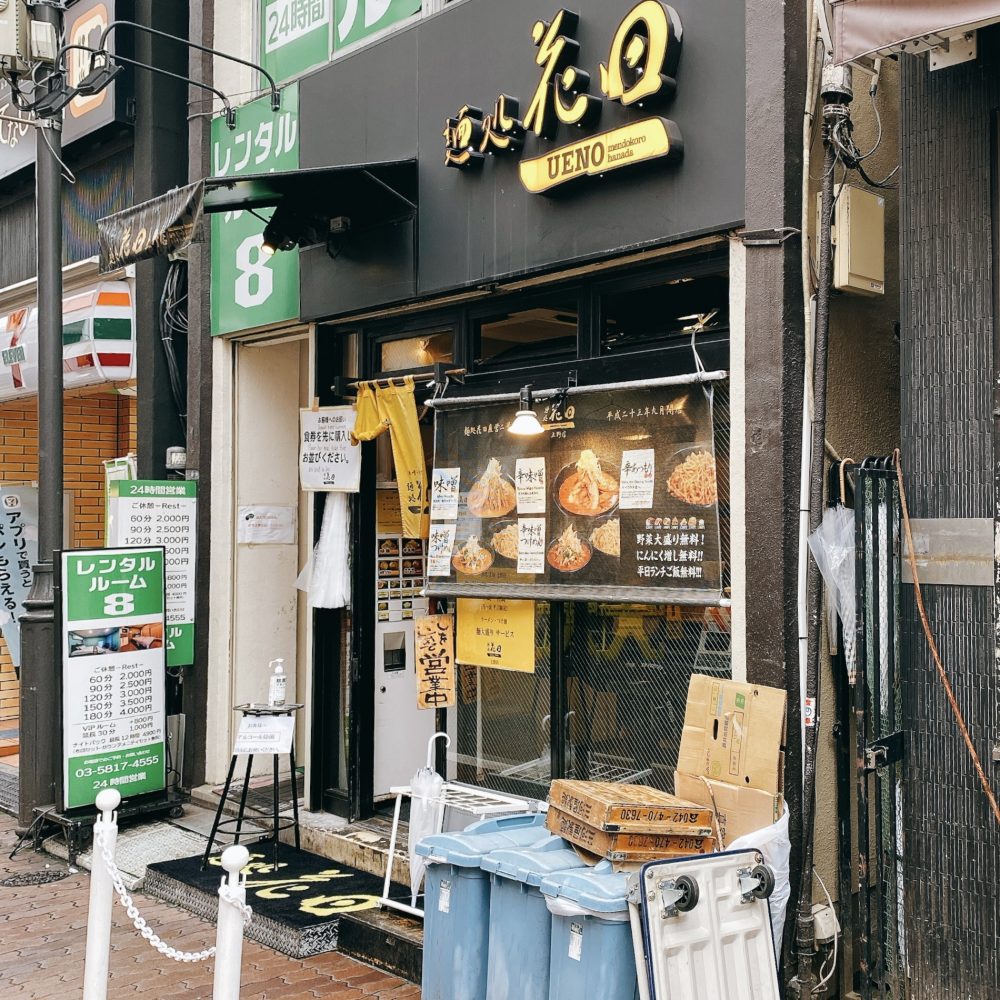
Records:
x=162, y=513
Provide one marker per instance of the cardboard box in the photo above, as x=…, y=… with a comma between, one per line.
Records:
x=734, y=733
x=625, y=846
x=630, y=809
x=739, y=810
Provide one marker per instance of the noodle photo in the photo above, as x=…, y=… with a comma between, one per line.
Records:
x=693, y=481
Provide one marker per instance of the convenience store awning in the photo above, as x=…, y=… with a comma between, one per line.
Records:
x=870, y=27
x=98, y=341
x=369, y=194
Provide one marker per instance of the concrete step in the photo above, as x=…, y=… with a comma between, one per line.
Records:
x=388, y=940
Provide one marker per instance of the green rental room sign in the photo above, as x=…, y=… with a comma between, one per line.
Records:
x=113, y=622
x=250, y=288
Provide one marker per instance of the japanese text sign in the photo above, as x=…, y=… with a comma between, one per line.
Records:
x=18, y=553
x=328, y=460
x=623, y=496
x=267, y=734
x=435, y=653
x=639, y=73
x=112, y=637
x=496, y=633
x=153, y=512
x=295, y=36
x=250, y=288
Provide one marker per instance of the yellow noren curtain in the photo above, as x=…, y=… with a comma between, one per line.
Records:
x=393, y=408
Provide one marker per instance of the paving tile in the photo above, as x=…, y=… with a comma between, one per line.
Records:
x=43, y=941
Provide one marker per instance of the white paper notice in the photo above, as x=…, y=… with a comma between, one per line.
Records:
x=529, y=478
x=268, y=734
x=531, y=545
x=444, y=494
x=327, y=458
x=265, y=525
x=439, y=548
x=637, y=478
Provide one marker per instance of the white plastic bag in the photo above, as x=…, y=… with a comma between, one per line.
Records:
x=776, y=846
x=426, y=813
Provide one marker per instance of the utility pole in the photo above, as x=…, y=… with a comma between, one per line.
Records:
x=41, y=727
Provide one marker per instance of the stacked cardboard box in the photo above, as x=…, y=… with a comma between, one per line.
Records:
x=732, y=754
x=628, y=823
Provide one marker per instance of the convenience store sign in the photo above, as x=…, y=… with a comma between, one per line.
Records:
x=112, y=636
x=145, y=512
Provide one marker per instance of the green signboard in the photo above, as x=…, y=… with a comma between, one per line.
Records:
x=294, y=36
x=113, y=628
x=145, y=513
x=358, y=19
x=249, y=288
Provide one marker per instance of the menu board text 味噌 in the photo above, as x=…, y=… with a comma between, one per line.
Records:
x=618, y=498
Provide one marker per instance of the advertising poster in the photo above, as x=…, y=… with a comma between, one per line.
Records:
x=153, y=513
x=18, y=553
x=113, y=622
x=618, y=501
x=497, y=633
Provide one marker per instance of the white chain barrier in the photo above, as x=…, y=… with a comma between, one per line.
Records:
x=226, y=894
x=234, y=913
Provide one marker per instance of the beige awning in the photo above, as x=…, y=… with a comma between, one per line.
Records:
x=866, y=27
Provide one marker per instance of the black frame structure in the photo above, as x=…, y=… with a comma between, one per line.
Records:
x=584, y=366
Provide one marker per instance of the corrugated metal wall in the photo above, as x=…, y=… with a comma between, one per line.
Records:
x=100, y=189
x=953, y=844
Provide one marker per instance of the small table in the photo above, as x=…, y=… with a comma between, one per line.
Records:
x=267, y=711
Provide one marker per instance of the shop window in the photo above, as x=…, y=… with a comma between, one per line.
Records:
x=637, y=317
x=416, y=352
x=504, y=725
x=528, y=336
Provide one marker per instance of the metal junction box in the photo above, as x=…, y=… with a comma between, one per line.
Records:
x=858, y=241
x=14, y=54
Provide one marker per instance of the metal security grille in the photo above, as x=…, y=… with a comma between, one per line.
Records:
x=881, y=927
x=623, y=672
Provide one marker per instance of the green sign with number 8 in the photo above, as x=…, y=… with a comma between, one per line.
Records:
x=113, y=583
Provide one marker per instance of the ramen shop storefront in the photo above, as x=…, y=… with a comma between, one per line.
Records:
x=564, y=189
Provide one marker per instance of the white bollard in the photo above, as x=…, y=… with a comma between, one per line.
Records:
x=229, y=934
x=95, y=974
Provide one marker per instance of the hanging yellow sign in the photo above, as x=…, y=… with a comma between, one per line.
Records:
x=497, y=633
x=435, y=654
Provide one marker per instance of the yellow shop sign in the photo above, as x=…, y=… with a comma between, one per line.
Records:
x=639, y=73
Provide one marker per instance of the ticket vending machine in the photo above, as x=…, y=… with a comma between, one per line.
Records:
x=401, y=729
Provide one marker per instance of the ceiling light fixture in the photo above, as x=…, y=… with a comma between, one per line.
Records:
x=526, y=422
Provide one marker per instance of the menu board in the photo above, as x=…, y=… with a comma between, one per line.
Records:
x=617, y=500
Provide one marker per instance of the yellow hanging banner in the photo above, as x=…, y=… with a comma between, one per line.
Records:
x=497, y=633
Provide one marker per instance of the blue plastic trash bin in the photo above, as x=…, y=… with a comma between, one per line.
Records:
x=457, y=903
x=592, y=952
x=520, y=925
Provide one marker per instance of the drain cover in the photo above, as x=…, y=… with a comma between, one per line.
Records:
x=34, y=878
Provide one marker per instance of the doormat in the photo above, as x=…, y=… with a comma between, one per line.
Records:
x=296, y=907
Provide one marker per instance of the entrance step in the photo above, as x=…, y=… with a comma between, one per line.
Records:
x=363, y=845
x=388, y=940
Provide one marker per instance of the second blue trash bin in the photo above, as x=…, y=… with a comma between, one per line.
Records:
x=592, y=952
x=457, y=903
x=520, y=924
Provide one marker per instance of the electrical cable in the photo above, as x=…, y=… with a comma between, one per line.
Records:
x=825, y=978
x=68, y=174
x=173, y=322
x=932, y=645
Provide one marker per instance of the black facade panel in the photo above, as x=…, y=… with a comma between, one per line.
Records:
x=952, y=842
x=100, y=189
x=392, y=100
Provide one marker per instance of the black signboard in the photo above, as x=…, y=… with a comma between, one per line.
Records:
x=616, y=500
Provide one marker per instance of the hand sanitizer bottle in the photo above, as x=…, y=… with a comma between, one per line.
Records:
x=276, y=688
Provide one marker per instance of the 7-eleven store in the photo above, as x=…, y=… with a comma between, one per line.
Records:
x=99, y=424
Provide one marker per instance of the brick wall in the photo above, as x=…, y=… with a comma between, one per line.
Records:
x=97, y=427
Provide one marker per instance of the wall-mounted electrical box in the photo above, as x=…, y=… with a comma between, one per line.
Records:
x=14, y=53
x=858, y=241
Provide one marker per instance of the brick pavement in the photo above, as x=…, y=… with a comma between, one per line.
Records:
x=43, y=943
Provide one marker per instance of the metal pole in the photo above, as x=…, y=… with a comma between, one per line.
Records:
x=102, y=890
x=229, y=933
x=41, y=733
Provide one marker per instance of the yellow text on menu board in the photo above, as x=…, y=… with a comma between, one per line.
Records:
x=497, y=633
